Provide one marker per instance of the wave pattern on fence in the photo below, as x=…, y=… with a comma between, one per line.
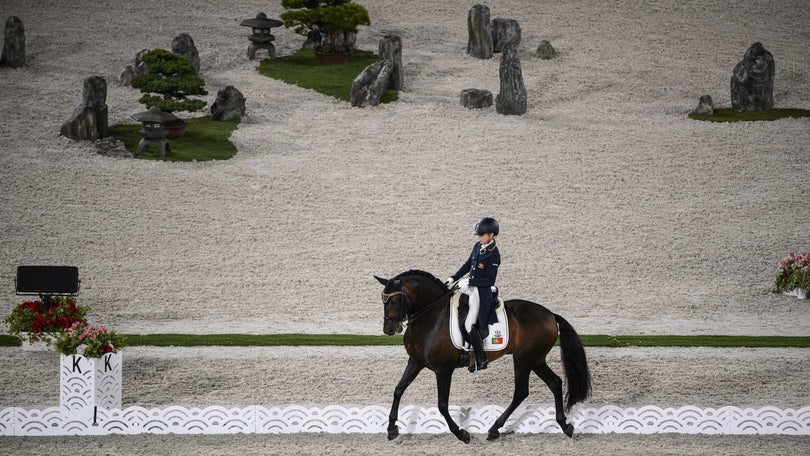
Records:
x=336, y=419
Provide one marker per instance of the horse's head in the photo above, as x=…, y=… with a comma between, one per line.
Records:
x=395, y=305
x=407, y=297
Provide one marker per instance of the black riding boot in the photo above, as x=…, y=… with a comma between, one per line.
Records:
x=478, y=347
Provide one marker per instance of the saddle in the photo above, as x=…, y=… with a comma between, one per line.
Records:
x=498, y=332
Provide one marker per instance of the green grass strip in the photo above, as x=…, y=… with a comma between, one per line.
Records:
x=730, y=115
x=205, y=140
x=595, y=340
x=599, y=340
x=260, y=340
x=302, y=70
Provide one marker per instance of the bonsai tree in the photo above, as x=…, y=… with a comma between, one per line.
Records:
x=173, y=78
x=330, y=23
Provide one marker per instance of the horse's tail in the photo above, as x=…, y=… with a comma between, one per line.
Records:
x=577, y=375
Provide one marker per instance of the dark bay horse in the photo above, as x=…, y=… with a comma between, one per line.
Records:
x=423, y=301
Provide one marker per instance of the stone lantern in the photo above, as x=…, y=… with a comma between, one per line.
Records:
x=154, y=130
x=261, y=37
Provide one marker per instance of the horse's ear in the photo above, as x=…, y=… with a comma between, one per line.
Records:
x=381, y=280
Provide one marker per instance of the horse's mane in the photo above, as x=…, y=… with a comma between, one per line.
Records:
x=427, y=275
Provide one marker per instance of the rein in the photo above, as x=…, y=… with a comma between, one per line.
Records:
x=409, y=305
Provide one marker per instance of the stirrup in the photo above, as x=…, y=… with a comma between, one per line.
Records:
x=475, y=367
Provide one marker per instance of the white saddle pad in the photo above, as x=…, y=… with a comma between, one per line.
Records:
x=498, y=332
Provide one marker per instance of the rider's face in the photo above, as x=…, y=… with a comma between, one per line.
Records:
x=484, y=238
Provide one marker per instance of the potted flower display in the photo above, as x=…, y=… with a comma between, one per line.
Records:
x=168, y=84
x=332, y=24
x=793, y=277
x=38, y=322
x=88, y=341
x=90, y=367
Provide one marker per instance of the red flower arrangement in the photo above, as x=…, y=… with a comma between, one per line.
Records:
x=37, y=318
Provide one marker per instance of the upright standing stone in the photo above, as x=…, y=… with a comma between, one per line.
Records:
x=391, y=49
x=752, y=80
x=229, y=105
x=512, y=98
x=13, y=43
x=505, y=32
x=183, y=44
x=368, y=87
x=480, y=32
x=89, y=120
x=125, y=78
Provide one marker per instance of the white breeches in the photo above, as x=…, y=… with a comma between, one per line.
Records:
x=475, y=303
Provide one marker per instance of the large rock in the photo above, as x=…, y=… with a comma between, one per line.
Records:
x=512, y=98
x=368, y=87
x=476, y=98
x=183, y=44
x=391, y=49
x=13, y=43
x=112, y=147
x=505, y=32
x=229, y=105
x=479, y=29
x=89, y=120
x=752, y=80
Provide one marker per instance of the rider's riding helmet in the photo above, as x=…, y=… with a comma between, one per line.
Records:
x=485, y=226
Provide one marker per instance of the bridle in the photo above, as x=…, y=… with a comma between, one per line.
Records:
x=406, y=314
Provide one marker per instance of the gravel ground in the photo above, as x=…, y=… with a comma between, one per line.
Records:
x=617, y=211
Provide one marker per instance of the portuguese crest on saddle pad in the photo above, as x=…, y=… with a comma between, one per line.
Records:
x=498, y=332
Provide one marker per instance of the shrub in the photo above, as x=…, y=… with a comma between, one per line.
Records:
x=323, y=18
x=173, y=78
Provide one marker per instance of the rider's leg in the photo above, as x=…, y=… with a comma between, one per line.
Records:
x=472, y=330
x=472, y=315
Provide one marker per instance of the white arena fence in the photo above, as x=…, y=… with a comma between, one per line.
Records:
x=336, y=419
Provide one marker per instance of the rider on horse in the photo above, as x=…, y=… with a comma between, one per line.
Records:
x=482, y=267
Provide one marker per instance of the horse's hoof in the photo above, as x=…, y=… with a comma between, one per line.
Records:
x=569, y=430
x=463, y=435
x=393, y=433
x=493, y=435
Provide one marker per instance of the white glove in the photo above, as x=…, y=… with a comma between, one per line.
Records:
x=464, y=285
x=449, y=282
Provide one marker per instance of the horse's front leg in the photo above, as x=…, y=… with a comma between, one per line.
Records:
x=443, y=380
x=411, y=371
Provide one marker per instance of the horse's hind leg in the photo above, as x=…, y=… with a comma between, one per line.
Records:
x=521, y=393
x=554, y=383
x=411, y=371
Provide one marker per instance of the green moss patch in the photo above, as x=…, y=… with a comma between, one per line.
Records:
x=333, y=80
x=205, y=139
x=730, y=115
